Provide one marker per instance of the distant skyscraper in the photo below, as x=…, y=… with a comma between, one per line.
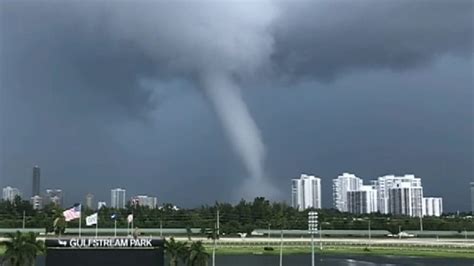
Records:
x=383, y=185
x=362, y=201
x=37, y=202
x=54, y=196
x=90, y=201
x=472, y=197
x=36, y=181
x=432, y=206
x=306, y=192
x=9, y=193
x=145, y=201
x=340, y=186
x=117, y=198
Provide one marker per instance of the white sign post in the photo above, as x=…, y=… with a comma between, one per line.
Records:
x=312, y=229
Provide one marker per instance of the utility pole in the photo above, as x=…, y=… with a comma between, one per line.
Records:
x=23, y=220
x=321, y=236
x=281, y=247
x=218, y=221
x=161, y=227
x=214, y=247
x=399, y=232
x=370, y=235
x=421, y=223
x=269, y=224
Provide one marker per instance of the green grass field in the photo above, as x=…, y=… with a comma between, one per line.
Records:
x=377, y=251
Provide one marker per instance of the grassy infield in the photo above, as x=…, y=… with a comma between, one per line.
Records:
x=343, y=250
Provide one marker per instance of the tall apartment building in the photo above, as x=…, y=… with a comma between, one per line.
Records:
x=9, y=193
x=54, y=196
x=145, y=201
x=35, y=191
x=340, y=186
x=384, y=184
x=432, y=206
x=405, y=199
x=90, y=201
x=306, y=192
x=117, y=198
x=363, y=200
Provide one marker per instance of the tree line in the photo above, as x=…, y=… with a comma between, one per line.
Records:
x=243, y=217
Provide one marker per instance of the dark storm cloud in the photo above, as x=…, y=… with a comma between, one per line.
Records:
x=80, y=81
x=325, y=39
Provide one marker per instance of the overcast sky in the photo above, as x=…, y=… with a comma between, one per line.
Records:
x=189, y=100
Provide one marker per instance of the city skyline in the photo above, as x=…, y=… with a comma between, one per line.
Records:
x=345, y=183
x=242, y=96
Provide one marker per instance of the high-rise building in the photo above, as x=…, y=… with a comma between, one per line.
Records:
x=37, y=202
x=363, y=200
x=472, y=198
x=101, y=204
x=306, y=192
x=432, y=206
x=384, y=183
x=36, y=181
x=405, y=199
x=117, y=198
x=340, y=186
x=10, y=193
x=145, y=201
x=54, y=196
x=90, y=201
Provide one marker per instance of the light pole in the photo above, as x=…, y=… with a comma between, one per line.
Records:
x=281, y=247
x=312, y=229
x=23, y=224
x=269, y=224
x=421, y=223
x=370, y=235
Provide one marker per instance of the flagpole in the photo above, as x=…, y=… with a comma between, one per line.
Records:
x=80, y=222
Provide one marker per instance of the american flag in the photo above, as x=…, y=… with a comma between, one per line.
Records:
x=73, y=213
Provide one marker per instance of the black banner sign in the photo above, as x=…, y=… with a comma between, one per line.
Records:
x=104, y=243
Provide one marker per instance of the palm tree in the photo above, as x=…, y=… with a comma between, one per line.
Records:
x=176, y=250
x=22, y=249
x=197, y=254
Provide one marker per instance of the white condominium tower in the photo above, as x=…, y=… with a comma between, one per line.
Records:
x=145, y=201
x=340, y=186
x=306, y=192
x=362, y=201
x=407, y=196
x=117, y=198
x=10, y=193
x=432, y=206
